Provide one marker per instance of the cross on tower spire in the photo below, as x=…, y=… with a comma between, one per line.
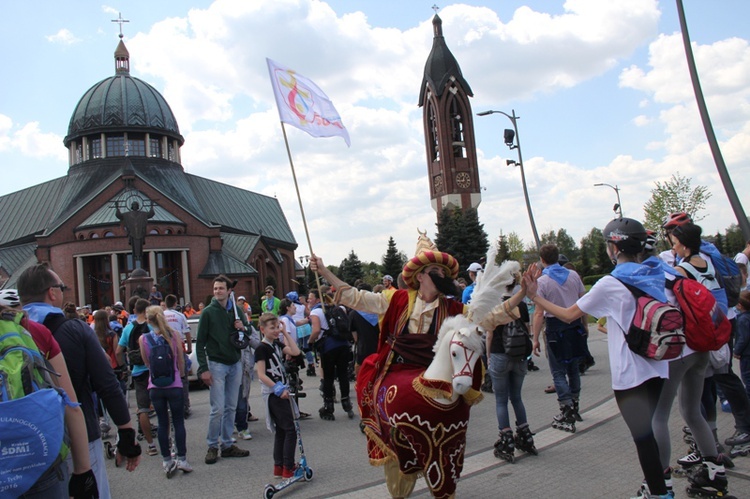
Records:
x=120, y=21
x=435, y=8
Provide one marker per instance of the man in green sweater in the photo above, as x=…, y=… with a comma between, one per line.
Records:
x=220, y=368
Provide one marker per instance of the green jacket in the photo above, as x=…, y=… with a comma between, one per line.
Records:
x=214, y=329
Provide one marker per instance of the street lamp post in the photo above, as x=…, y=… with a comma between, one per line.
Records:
x=508, y=136
x=618, y=207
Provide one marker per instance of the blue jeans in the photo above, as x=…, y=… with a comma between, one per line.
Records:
x=165, y=400
x=303, y=344
x=507, y=376
x=567, y=378
x=225, y=385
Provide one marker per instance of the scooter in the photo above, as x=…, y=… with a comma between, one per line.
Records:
x=301, y=472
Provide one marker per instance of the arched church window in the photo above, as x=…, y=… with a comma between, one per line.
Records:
x=457, y=129
x=109, y=233
x=153, y=232
x=432, y=123
x=93, y=235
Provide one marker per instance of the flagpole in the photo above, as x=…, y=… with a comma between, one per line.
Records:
x=301, y=208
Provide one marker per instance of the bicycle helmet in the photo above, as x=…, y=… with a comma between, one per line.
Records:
x=626, y=234
x=9, y=298
x=562, y=259
x=675, y=220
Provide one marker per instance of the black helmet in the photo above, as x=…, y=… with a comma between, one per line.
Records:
x=627, y=234
x=562, y=259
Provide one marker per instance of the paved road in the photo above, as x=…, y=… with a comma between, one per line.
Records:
x=599, y=460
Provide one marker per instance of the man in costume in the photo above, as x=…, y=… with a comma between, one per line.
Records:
x=411, y=322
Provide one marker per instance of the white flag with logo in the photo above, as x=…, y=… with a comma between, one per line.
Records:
x=303, y=104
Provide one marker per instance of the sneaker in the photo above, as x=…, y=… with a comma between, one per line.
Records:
x=277, y=471
x=244, y=435
x=251, y=418
x=212, y=455
x=234, y=451
x=740, y=437
x=304, y=415
x=184, y=466
x=288, y=472
x=170, y=468
x=725, y=407
x=234, y=440
x=152, y=450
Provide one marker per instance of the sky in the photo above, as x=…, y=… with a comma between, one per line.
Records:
x=601, y=88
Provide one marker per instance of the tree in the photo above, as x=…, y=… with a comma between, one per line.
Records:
x=461, y=235
x=734, y=241
x=393, y=260
x=515, y=247
x=676, y=194
x=351, y=268
x=594, y=247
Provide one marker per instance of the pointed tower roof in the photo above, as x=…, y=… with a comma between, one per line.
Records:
x=441, y=65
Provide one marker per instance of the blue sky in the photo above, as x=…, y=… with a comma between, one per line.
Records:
x=601, y=88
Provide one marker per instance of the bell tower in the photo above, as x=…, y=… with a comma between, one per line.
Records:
x=448, y=129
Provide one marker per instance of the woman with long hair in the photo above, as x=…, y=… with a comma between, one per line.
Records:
x=107, y=337
x=166, y=397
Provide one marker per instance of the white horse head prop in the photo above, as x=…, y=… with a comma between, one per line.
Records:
x=459, y=345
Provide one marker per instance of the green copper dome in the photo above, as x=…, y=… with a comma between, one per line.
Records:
x=122, y=103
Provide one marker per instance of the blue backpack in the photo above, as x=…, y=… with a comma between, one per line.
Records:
x=727, y=273
x=32, y=410
x=161, y=360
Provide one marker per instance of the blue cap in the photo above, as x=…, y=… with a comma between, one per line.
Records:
x=293, y=296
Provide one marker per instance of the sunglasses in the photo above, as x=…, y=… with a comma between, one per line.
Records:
x=62, y=287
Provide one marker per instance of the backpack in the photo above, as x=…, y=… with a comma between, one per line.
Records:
x=338, y=323
x=134, y=350
x=160, y=360
x=709, y=280
x=516, y=340
x=32, y=426
x=727, y=273
x=706, y=326
x=657, y=330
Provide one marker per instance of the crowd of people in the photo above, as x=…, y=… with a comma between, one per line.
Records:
x=148, y=342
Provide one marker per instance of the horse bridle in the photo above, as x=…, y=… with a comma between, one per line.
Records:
x=468, y=355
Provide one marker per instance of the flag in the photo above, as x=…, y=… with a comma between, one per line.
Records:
x=303, y=104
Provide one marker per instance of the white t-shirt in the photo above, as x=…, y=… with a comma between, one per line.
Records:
x=611, y=299
x=289, y=326
x=177, y=321
x=740, y=258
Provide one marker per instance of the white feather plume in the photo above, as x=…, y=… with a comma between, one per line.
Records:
x=490, y=286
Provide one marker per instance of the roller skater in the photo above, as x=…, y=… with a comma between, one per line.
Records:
x=565, y=421
x=710, y=481
x=525, y=439
x=637, y=381
x=505, y=446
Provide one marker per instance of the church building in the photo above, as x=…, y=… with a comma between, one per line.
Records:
x=125, y=190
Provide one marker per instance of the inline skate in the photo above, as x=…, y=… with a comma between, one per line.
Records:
x=565, y=421
x=525, y=439
x=709, y=481
x=505, y=446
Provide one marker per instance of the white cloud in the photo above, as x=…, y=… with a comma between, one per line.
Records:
x=30, y=141
x=63, y=37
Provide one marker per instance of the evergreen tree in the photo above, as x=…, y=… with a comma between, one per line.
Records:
x=596, y=252
x=503, y=250
x=351, y=268
x=393, y=261
x=461, y=235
